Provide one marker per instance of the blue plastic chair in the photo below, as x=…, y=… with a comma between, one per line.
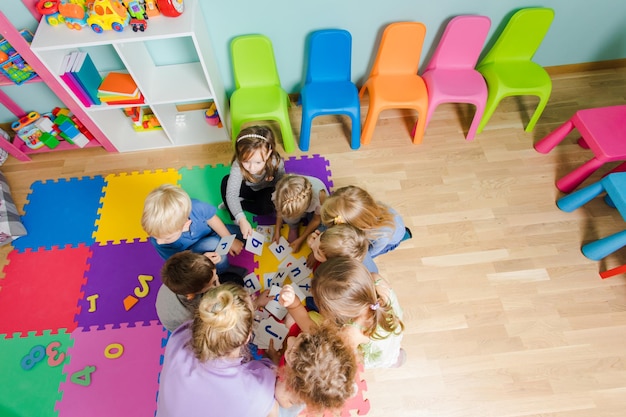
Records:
x=328, y=88
x=614, y=185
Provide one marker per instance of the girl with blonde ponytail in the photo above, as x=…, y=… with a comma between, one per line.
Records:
x=298, y=198
x=206, y=371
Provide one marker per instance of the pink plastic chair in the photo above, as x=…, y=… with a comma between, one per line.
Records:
x=602, y=130
x=450, y=76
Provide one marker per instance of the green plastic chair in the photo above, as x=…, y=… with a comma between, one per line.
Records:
x=508, y=67
x=258, y=94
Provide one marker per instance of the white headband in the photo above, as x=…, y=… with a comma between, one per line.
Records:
x=252, y=135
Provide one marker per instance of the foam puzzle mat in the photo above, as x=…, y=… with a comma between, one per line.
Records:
x=69, y=343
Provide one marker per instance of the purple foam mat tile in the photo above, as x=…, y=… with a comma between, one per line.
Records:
x=113, y=275
x=314, y=166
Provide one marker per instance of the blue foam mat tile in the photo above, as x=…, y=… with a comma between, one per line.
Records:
x=61, y=213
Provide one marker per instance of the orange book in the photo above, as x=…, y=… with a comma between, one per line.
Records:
x=119, y=83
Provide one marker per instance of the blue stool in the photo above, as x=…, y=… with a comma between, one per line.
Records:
x=615, y=187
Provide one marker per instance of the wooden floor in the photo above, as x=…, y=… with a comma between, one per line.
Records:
x=504, y=316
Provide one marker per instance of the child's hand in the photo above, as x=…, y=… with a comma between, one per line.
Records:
x=311, y=261
x=297, y=244
x=214, y=257
x=236, y=247
x=246, y=228
x=312, y=238
x=276, y=237
x=272, y=353
x=262, y=299
x=288, y=297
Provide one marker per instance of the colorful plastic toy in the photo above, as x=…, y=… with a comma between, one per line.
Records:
x=135, y=10
x=108, y=15
x=74, y=15
x=26, y=130
x=12, y=65
x=50, y=10
x=171, y=8
x=212, y=117
x=138, y=25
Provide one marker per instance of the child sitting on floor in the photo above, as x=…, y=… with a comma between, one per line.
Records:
x=340, y=240
x=362, y=304
x=382, y=225
x=186, y=276
x=316, y=371
x=175, y=222
x=298, y=198
x=254, y=172
x=205, y=373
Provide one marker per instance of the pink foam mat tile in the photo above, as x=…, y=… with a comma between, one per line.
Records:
x=41, y=289
x=113, y=372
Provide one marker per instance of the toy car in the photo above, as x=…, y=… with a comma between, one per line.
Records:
x=108, y=15
x=138, y=25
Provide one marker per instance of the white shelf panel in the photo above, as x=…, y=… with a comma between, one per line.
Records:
x=163, y=86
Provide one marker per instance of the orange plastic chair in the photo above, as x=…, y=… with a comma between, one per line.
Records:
x=508, y=67
x=393, y=82
x=450, y=76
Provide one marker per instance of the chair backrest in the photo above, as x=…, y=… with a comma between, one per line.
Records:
x=400, y=49
x=253, y=61
x=461, y=43
x=522, y=36
x=330, y=56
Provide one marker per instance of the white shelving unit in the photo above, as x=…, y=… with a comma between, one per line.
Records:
x=169, y=90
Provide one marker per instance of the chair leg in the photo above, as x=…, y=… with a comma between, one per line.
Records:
x=538, y=111
x=579, y=198
x=572, y=180
x=490, y=108
x=418, y=131
x=553, y=138
x=602, y=248
x=355, y=136
x=305, y=131
x=370, y=124
x=287, y=133
x=478, y=114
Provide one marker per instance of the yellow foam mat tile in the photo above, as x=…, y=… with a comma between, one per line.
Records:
x=122, y=204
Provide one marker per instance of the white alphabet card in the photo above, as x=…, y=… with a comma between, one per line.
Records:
x=270, y=329
x=224, y=246
x=255, y=242
x=251, y=283
x=280, y=249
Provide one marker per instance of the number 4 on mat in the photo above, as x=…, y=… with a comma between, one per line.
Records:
x=83, y=377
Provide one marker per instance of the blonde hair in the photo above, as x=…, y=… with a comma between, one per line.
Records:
x=321, y=369
x=344, y=240
x=165, y=210
x=254, y=138
x=222, y=323
x=356, y=207
x=293, y=195
x=344, y=290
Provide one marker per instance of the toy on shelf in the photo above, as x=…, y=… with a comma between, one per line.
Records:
x=108, y=15
x=171, y=8
x=142, y=122
x=11, y=63
x=48, y=129
x=135, y=9
x=212, y=117
x=74, y=14
x=50, y=10
x=138, y=25
x=151, y=8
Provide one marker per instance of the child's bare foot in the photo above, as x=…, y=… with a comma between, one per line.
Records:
x=293, y=234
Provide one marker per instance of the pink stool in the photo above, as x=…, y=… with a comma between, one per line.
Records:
x=603, y=130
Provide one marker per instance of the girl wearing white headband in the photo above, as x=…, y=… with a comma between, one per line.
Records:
x=255, y=170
